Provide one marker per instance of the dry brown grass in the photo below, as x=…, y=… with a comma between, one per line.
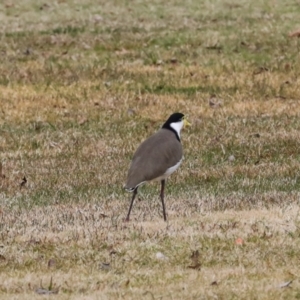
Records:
x=89, y=254
x=73, y=243
x=83, y=83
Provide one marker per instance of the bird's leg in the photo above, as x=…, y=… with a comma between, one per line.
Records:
x=130, y=207
x=162, y=192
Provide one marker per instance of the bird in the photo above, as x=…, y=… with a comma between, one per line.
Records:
x=157, y=158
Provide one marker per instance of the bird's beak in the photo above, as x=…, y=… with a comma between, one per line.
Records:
x=186, y=123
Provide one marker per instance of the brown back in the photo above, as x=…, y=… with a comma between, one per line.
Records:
x=153, y=157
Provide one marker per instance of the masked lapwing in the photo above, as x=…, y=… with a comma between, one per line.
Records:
x=157, y=158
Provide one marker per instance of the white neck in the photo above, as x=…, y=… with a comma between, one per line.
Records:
x=177, y=127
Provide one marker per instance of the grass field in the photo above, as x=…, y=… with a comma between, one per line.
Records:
x=82, y=83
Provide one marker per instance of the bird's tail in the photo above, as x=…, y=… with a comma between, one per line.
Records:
x=129, y=189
